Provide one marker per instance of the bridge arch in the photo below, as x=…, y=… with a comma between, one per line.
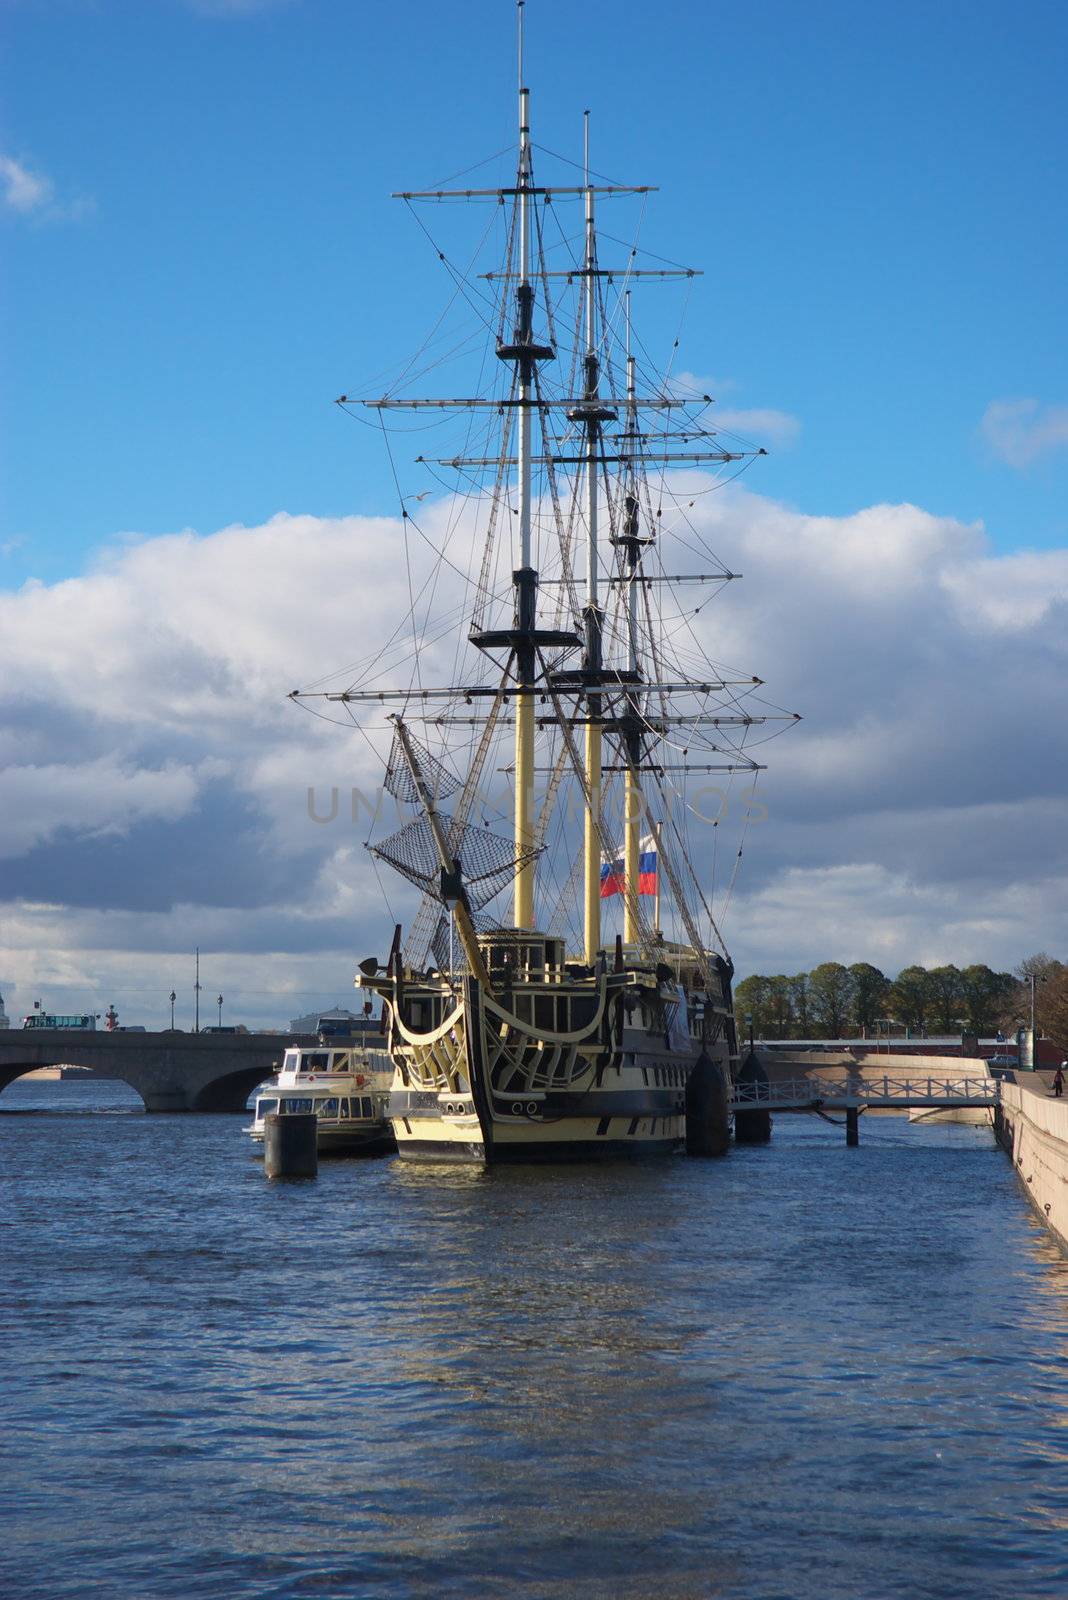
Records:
x=230, y=1091
x=13, y=1072
x=171, y=1071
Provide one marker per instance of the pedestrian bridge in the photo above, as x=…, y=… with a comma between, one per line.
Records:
x=868, y=1092
x=171, y=1071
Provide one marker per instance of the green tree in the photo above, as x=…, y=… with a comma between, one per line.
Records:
x=751, y=999
x=945, y=1005
x=799, y=1005
x=830, y=990
x=870, y=989
x=987, y=995
x=910, y=996
x=780, y=1007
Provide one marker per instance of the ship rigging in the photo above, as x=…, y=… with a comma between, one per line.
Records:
x=590, y=693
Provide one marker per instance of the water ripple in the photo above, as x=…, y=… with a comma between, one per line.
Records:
x=803, y=1373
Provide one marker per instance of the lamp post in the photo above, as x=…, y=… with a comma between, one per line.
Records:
x=749, y=1025
x=196, y=992
x=219, y=1003
x=173, y=999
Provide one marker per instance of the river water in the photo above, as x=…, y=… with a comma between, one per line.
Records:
x=802, y=1372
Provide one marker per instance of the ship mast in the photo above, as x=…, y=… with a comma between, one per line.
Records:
x=610, y=699
x=525, y=578
x=591, y=414
x=632, y=794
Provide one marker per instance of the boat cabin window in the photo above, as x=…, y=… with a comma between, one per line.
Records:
x=327, y=1108
x=366, y=1108
x=315, y=1061
x=298, y=1106
x=265, y=1107
x=292, y=1061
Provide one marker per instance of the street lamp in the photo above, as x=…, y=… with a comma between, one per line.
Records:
x=173, y=999
x=219, y=1003
x=749, y=1025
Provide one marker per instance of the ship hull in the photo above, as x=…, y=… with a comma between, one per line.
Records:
x=486, y=1090
x=539, y=1151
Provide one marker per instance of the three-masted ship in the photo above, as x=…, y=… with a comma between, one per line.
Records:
x=522, y=1025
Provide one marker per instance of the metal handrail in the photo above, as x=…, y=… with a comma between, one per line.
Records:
x=811, y=1091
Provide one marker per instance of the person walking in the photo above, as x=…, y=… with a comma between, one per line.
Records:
x=1058, y=1080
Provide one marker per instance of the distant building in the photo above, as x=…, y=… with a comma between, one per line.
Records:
x=4, y=1023
x=310, y=1023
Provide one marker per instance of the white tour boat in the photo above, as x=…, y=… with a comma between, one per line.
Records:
x=345, y=1083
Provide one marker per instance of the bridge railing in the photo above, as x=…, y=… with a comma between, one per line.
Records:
x=857, y=1091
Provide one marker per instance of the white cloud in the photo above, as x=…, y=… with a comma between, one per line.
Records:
x=756, y=424
x=31, y=194
x=1020, y=431
x=159, y=775
x=23, y=190
x=88, y=798
x=760, y=423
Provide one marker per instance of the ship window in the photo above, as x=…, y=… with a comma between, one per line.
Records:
x=583, y=1011
x=366, y=1108
x=327, y=1108
x=299, y=1106
x=534, y=955
x=545, y=1012
x=422, y=1016
x=265, y=1107
x=316, y=1061
x=522, y=1007
x=344, y=1109
x=292, y=1061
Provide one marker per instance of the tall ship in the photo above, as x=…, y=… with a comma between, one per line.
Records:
x=562, y=990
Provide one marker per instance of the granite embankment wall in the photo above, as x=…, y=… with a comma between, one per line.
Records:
x=1032, y=1128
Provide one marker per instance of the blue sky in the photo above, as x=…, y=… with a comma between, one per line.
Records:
x=872, y=191
x=200, y=253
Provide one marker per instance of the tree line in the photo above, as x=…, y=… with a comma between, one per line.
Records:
x=834, y=1001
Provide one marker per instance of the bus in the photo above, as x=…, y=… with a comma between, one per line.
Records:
x=46, y=1019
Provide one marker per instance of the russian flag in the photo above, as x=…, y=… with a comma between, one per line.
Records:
x=613, y=877
x=613, y=872
x=647, y=880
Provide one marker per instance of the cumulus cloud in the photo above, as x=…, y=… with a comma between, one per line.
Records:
x=759, y=422
x=157, y=788
x=1019, y=432
x=91, y=797
x=27, y=193
x=23, y=191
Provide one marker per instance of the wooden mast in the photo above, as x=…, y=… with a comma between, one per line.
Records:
x=523, y=893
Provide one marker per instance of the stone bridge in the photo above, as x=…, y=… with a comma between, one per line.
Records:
x=170, y=1071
